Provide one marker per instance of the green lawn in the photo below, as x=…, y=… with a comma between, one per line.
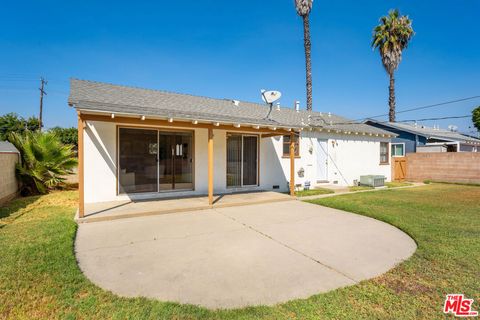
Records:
x=313, y=192
x=396, y=184
x=360, y=188
x=387, y=184
x=39, y=277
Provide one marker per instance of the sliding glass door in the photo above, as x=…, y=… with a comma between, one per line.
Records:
x=138, y=160
x=249, y=166
x=175, y=161
x=154, y=160
x=234, y=161
x=242, y=160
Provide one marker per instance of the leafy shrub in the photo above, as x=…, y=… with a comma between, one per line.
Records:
x=66, y=135
x=45, y=161
x=12, y=122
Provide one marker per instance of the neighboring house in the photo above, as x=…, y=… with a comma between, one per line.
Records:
x=9, y=157
x=137, y=143
x=412, y=138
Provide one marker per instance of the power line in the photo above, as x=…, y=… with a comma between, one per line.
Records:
x=381, y=122
x=440, y=118
x=423, y=107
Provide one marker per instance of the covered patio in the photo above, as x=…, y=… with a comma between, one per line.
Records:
x=114, y=210
x=140, y=121
x=138, y=144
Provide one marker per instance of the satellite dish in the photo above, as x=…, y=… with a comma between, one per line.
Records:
x=270, y=96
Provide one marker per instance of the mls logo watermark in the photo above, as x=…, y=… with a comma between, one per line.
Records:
x=459, y=306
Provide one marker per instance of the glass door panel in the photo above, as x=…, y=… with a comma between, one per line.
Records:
x=165, y=161
x=250, y=149
x=152, y=160
x=183, y=161
x=234, y=160
x=137, y=160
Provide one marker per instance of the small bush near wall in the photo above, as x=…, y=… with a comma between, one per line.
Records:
x=45, y=161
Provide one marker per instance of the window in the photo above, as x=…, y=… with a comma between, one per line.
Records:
x=383, y=152
x=286, y=146
x=398, y=149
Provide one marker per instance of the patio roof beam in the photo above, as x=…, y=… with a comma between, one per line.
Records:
x=269, y=135
x=179, y=124
x=292, y=164
x=210, y=166
x=81, y=184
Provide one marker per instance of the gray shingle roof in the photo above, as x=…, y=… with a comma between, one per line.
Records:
x=6, y=146
x=429, y=132
x=104, y=97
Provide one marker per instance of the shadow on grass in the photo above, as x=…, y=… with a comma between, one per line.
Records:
x=15, y=209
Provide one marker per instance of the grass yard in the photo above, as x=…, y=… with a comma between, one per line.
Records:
x=397, y=184
x=360, y=188
x=393, y=184
x=313, y=192
x=39, y=277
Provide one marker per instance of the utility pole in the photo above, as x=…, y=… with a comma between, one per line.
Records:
x=43, y=83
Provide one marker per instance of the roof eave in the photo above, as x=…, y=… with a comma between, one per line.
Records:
x=199, y=119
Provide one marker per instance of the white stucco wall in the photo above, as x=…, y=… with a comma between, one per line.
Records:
x=100, y=161
x=351, y=156
x=348, y=158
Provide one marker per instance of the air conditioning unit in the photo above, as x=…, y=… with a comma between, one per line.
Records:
x=372, y=181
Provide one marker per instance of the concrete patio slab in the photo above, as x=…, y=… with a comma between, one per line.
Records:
x=231, y=257
x=112, y=210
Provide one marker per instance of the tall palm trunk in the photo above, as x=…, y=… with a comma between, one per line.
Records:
x=308, y=59
x=391, y=99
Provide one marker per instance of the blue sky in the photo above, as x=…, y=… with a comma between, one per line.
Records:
x=232, y=49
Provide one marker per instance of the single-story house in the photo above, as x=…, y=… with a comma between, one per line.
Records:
x=137, y=144
x=413, y=137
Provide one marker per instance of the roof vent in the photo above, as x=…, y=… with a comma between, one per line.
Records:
x=297, y=106
x=278, y=105
x=236, y=102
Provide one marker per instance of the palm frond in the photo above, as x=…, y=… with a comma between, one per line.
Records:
x=45, y=161
x=391, y=37
x=303, y=7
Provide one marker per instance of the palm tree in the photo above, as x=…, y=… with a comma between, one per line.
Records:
x=391, y=36
x=303, y=9
x=45, y=161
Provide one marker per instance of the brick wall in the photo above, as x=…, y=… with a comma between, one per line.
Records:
x=8, y=182
x=444, y=166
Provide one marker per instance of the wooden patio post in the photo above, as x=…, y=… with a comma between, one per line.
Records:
x=81, y=186
x=210, y=166
x=292, y=164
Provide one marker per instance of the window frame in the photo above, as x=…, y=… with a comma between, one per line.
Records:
x=296, y=144
x=394, y=144
x=387, y=156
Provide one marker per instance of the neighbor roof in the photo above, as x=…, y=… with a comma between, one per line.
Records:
x=7, y=147
x=122, y=100
x=428, y=132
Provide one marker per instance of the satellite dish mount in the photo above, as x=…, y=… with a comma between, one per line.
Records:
x=269, y=97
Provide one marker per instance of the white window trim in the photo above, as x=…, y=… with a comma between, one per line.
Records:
x=396, y=143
